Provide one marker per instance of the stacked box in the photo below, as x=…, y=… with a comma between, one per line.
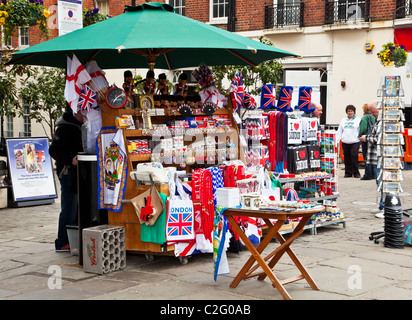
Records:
x=104, y=249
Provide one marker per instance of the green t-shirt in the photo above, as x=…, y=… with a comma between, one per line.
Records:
x=366, y=123
x=157, y=232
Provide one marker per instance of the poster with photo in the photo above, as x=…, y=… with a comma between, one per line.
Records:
x=31, y=169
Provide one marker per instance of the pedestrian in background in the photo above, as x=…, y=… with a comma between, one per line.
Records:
x=66, y=144
x=348, y=132
x=365, y=127
x=372, y=158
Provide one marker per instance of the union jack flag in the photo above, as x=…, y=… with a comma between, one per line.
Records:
x=285, y=99
x=305, y=96
x=268, y=96
x=236, y=91
x=180, y=226
x=87, y=98
x=249, y=102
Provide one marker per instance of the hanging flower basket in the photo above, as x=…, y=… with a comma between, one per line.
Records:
x=92, y=16
x=23, y=13
x=392, y=54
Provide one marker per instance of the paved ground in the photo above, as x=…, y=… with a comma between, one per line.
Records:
x=342, y=261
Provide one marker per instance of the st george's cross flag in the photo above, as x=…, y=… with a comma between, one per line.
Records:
x=305, y=96
x=285, y=99
x=75, y=78
x=87, y=98
x=98, y=76
x=268, y=96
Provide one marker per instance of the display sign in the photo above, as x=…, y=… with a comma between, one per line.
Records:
x=31, y=169
x=70, y=15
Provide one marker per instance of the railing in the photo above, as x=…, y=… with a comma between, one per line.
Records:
x=403, y=9
x=343, y=11
x=282, y=15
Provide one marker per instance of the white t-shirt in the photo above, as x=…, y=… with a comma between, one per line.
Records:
x=349, y=129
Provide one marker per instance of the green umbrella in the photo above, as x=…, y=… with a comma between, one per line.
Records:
x=147, y=35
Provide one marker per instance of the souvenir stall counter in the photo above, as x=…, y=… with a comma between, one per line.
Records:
x=168, y=140
x=163, y=155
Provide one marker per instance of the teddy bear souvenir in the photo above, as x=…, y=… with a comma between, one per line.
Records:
x=181, y=87
x=128, y=87
x=162, y=87
x=150, y=83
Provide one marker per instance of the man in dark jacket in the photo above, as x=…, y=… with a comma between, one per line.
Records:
x=66, y=144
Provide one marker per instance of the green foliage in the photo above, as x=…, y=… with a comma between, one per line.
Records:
x=23, y=13
x=92, y=15
x=43, y=93
x=9, y=101
x=253, y=77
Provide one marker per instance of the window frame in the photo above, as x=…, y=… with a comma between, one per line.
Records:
x=26, y=36
x=180, y=9
x=218, y=20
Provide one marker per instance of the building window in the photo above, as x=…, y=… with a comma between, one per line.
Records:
x=26, y=122
x=103, y=6
x=6, y=43
x=284, y=13
x=23, y=36
x=219, y=11
x=403, y=8
x=179, y=6
x=9, y=132
x=346, y=10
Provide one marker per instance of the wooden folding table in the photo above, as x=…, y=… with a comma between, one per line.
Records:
x=268, y=263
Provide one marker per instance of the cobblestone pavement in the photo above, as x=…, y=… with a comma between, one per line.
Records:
x=344, y=263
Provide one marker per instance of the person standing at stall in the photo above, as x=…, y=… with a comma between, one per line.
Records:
x=348, y=132
x=66, y=144
x=365, y=126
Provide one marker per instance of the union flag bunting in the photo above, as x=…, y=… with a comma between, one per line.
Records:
x=87, y=98
x=236, y=91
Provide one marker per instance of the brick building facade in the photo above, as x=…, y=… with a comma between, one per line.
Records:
x=328, y=35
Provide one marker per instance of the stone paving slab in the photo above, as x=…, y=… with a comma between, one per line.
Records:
x=344, y=263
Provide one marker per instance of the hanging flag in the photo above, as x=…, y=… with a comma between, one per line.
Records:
x=268, y=96
x=285, y=99
x=249, y=102
x=98, y=76
x=69, y=88
x=221, y=237
x=236, y=91
x=305, y=96
x=75, y=78
x=87, y=98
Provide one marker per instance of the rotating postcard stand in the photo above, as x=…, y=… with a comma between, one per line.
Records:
x=390, y=164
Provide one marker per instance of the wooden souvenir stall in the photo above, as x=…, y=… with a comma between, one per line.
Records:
x=127, y=217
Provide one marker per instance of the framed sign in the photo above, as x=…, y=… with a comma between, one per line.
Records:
x=31, y=171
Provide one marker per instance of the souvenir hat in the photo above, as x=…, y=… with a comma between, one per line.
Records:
x=268, y=96
x=285, y=99
x=249, y=102
x=305, y=96
x=291, y=194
